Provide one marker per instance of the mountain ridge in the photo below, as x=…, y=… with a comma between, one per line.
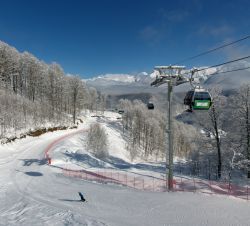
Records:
x=140, y=82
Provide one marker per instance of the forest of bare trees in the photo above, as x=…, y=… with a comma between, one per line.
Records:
x=227, y=127
x=224, y=142
x=145, y=129
x=33, y=93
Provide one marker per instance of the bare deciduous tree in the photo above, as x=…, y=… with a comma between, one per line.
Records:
x=240, y=129
x=212, y=122
x=34, y=93
x=97, y=141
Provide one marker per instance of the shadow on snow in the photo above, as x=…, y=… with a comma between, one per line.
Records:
x=70, y=200
x=113, y=162
x=29, y=162
x=34, y=174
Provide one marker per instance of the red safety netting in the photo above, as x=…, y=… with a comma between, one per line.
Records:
x=154, y=184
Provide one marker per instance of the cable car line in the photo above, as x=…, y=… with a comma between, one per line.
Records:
x=217, y=65
x=214, y=66
x=212, y=50
x=200, y=99
x=188, y=102
x=222, y=72
x=228, y=62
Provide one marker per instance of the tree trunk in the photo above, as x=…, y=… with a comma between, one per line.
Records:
x=74, y=107
x=217, y=138
x=248, y=140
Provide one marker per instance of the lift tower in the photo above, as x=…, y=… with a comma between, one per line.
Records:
x=172, y=76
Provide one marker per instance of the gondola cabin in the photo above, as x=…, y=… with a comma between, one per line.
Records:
x=198, y=99
x=150, y=106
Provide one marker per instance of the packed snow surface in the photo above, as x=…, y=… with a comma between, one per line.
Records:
x=35, y=193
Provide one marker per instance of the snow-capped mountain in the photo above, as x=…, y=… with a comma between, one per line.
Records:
x=121, y=83
x=140, y=82
x=120, y=79
x=113, y=78
x=230, y=80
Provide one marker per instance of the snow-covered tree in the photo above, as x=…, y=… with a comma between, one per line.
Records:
x=97, y=141
x=145, y=128
x=92, y=102
x=239, y=131
x=35, y=93
x=212, y=121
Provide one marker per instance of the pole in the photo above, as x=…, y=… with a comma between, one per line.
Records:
x=169, y=175
x=172, y=79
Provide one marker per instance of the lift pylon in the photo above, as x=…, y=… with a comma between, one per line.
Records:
x=172, y=76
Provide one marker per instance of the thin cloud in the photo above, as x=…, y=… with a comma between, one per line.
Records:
x=154, y=33
x=174, y=16
x=151, y=34
x=216, y=31
x=237, y=51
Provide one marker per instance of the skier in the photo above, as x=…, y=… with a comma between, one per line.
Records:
x=81, y=196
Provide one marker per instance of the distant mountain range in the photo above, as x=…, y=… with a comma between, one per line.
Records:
x=116, y=84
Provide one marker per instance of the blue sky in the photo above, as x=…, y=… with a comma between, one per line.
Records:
x=124, y=36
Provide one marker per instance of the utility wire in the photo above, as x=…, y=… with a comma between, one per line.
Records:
x=222, y=72
x=212, y=50
x=217, y=65
x=228, y=62
x=215, y=49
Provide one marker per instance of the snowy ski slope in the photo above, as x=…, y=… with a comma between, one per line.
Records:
x=35, y=193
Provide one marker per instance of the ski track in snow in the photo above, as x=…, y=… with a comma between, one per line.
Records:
x=24, y=207
x=33, y=193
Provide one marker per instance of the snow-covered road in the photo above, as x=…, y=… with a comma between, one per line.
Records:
x=34, y=193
